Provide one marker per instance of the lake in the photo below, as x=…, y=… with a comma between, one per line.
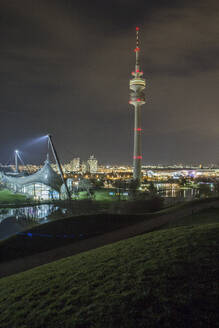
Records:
x=13, y=220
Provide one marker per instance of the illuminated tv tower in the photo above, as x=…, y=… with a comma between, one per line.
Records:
x=137, y=99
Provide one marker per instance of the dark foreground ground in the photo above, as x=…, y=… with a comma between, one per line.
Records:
x=166, y=278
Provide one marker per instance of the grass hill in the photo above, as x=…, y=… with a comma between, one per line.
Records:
x=206, y=216
x=166, y=278
x=8, y=197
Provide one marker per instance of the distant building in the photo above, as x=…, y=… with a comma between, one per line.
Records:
x=92, y=164
x=84, y=168
x=76, y=164
x=42, y=185
x=6, y=168
x=73, y=166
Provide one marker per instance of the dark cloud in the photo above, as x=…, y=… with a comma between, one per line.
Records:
x=65, y=69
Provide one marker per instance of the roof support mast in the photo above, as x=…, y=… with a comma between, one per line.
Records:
x=59, y=165
x=16, y=161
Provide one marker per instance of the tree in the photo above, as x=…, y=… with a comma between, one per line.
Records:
x=97, y=183
x=216, y=187
x=204, y=190
x=85, y=185
x=182, y=181
x=152, y=189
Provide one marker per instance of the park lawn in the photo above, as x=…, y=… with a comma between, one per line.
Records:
x=165, y=278
x=8, y=197
x=83, y=195
x=103, y=195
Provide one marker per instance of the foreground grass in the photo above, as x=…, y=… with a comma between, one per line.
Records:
x=166, y=278
x=8, y=197
x=206, y=216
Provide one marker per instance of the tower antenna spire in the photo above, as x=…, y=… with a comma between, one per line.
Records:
x=137, y=37
x=137, y=50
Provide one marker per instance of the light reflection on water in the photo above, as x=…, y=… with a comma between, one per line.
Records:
x=189, y=193
x=13, y=220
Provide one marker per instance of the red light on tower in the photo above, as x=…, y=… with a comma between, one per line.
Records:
x=138, y=129
x=137, y=28
x=137, y=157
x=138, y=99
x=137, y=49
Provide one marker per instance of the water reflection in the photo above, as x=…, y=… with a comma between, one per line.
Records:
x=176, y=192
x=13, y=220
x=180, y=193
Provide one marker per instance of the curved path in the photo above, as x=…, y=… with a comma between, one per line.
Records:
x=26, y=263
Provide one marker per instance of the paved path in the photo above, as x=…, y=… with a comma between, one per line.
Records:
x=26, y=263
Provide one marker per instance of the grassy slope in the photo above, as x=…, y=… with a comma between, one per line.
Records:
x=165, y=278
x=206, y=216
x=8, y=197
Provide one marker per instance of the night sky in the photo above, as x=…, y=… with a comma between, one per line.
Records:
x=65, y=68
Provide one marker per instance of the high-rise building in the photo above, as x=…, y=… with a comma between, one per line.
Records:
x=76, y=164
x=92, y=164
x=137, y=99
x=84, y=167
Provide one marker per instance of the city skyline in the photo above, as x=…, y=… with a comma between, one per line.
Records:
x=41, y=157
x=65, y=71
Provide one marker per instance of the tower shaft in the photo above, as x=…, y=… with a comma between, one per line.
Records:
x=137, y=154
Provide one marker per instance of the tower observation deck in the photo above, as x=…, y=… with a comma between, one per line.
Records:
x=137, y=99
